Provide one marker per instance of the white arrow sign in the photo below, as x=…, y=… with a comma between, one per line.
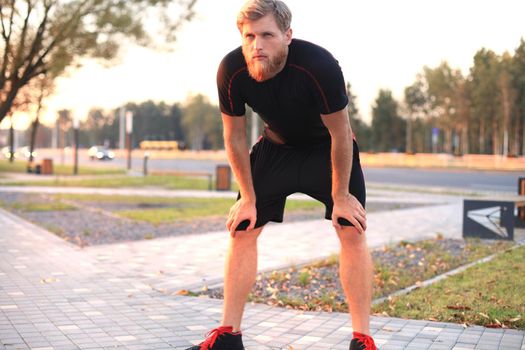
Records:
x=489, y=218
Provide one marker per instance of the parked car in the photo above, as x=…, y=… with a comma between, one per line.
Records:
x=100, y=153
x=24, y=152
x=19, y=152
x=6, y=152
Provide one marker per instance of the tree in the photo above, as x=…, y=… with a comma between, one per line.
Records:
x=485, y=97
x=464, y=114
x=416, y=101
x=41, y=87
x=359, y=127
x=44, y=37
x=94, y=129
x=388, y=128
x=507, y=98
x=202, y=124
x=443, y=82
x=155, y=121
x=518, y=83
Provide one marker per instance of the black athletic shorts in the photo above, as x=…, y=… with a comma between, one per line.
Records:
x=280, y=170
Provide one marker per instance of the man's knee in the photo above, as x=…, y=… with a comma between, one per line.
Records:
x=350, y=237
x=246, y=237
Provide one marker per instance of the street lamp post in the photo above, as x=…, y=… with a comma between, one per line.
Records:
x=129, y=130
x=75, y=130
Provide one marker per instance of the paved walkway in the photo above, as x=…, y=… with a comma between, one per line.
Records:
x=54, y=295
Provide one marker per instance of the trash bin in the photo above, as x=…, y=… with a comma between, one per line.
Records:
x=223, y=178
x=47, y=166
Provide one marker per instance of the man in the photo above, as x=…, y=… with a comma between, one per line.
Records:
x=299, y=91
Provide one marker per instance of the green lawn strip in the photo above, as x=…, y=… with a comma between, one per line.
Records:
x=489, y=294
x=186, y=209
x=14, y=167
x=432, y=261
x=37, y=206
x=167, y=182
x=174, y=208
x=21, y=167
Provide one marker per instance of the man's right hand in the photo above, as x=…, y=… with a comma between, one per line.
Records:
x=242, y=210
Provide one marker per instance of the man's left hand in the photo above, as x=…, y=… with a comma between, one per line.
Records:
x=349, y=208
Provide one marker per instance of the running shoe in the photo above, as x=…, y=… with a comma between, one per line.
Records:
x=362, y=342
x=222, y=338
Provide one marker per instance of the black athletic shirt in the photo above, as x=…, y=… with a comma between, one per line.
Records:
x=291, y=102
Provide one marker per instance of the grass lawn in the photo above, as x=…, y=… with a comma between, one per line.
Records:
x=158, y=210
x=19, y=166
x=162, y=181
x=489, y=294
x=36, y=205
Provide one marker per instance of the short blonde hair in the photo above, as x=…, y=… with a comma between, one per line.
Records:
x=256, y=9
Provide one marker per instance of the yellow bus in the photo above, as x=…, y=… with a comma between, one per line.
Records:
x=159, y=145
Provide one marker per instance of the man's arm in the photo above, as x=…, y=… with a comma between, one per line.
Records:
x=345, y=205
x=238, y=155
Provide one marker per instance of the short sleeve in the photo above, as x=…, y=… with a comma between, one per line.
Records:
x=330, y=89
x=231, y=99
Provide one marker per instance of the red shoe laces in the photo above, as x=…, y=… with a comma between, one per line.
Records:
x=367, y=341
x=212, y=336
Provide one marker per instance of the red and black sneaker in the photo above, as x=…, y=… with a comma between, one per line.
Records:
x=362, y=342
x=222, y=338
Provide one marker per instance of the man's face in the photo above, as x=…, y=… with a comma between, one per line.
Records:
x=265, y=47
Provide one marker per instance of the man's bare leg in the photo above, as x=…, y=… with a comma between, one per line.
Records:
x=239, y=276
x=355, y=271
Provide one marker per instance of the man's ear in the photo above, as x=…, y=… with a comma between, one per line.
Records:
x=288, y=35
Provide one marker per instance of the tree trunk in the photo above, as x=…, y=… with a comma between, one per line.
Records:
x=34, y=128
x=11, y=142
x=496, y=149
x=481, y=137
x=409, y=147
x=505, y=96
x=516, y=143
x=464, y=139
x=448, y=141
x=523, y=138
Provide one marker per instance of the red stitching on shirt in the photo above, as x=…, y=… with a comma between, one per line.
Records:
x=316, y=83
x=230, y=87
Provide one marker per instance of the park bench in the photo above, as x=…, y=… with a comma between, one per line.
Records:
x=493, y=217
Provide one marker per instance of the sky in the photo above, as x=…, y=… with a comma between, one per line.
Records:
x=380, y=44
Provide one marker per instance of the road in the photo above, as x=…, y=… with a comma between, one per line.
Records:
x=453, y=178
x=461, y=179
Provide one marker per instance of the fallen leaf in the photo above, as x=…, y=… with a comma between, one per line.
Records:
x=458, y=307
x=493, y=325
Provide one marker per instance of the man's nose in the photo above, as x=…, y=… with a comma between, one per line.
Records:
x=257, y=44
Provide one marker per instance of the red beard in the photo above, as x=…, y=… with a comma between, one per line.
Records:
x=261, y=70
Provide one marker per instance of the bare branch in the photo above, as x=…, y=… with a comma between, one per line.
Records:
x=37, y=41
x=58, y=38
x=23, y=36
x=4, y=34
x=7, y=38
